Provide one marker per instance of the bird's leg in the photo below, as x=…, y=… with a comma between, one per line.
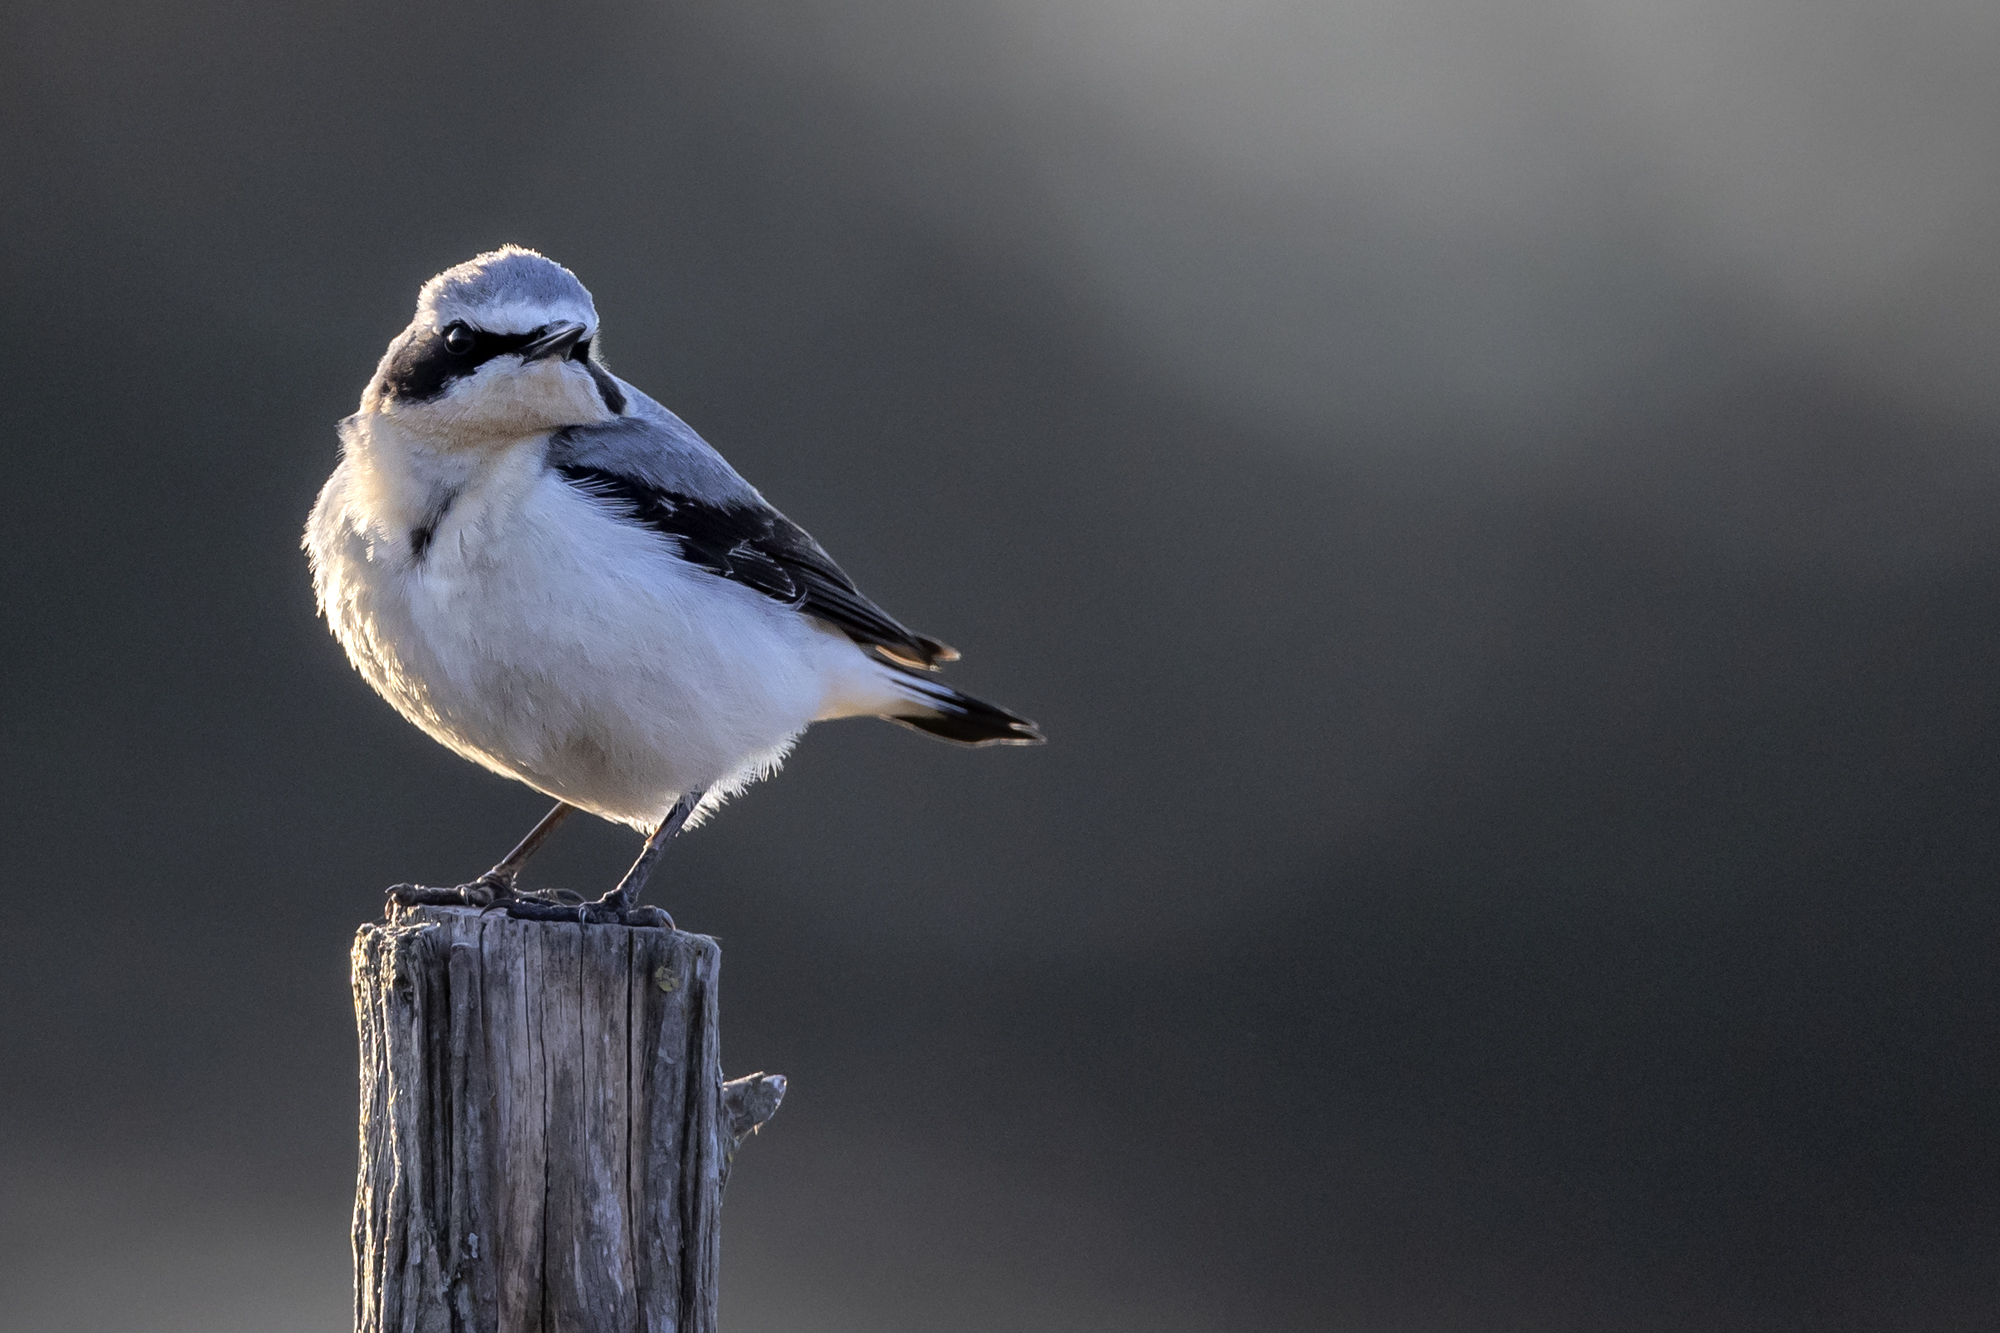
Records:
x=624, y=899
x=496, y=884
x=496, y=889
x=500, y=879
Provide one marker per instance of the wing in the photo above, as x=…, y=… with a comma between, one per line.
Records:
x=722, y=525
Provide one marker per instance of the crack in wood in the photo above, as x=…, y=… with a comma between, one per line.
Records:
x=545, y=1130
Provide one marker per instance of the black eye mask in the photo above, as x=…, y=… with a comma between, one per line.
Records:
x=426, y=364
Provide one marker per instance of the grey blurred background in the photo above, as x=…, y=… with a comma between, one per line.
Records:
x=1495, y=505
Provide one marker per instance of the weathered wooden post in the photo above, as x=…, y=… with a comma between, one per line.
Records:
x=545, y=1131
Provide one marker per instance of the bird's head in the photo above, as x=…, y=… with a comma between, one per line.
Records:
x=503, y=346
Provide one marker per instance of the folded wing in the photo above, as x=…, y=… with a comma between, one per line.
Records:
x=661, y=475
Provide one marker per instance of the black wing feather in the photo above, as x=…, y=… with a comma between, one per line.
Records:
x=760, y=548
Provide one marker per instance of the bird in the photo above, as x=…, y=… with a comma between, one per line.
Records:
x=555, y=577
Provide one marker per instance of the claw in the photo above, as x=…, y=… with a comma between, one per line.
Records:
x=487, y=891
x=420, y=895
x=493, y=892
x=571, y=907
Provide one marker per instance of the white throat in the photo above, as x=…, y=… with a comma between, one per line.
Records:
x=411, y=494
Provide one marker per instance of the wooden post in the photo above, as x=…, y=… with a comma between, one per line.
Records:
x=545, y=1131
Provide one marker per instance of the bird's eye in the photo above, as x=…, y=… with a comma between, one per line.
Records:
x=457, y=338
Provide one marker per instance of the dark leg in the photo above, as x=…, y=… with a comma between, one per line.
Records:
x=621, y=905
x=625, y=897
x=496, y=884
x=502, y=876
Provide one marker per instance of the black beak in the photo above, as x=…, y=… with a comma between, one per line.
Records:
x=556, y=340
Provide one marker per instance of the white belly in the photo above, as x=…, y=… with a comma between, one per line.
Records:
x=560, y=646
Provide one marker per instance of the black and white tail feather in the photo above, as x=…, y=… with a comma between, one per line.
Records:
x=952, y=716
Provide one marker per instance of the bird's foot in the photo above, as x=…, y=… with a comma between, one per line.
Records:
x=563, y=905
x=497, y=893
x=486, y=891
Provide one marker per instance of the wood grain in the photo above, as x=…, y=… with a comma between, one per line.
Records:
x=545, y=1131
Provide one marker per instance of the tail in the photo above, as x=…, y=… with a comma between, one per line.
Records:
x=949, y=715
